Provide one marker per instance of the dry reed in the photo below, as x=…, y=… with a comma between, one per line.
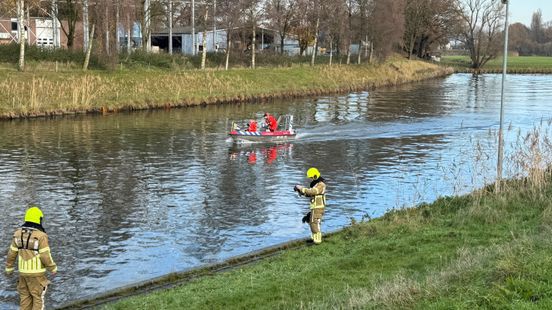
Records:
x=31, y=94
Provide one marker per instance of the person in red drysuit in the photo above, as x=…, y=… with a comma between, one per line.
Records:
x=252, y=126
x=271, y=122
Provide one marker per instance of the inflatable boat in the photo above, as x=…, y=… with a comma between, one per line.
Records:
x=285, y=134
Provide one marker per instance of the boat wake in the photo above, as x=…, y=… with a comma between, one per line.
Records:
x=359, y=131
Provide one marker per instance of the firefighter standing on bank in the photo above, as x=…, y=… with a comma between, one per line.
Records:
x=317, y=195
x=30, y=244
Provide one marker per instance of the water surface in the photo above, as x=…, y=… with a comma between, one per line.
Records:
x=129, y=197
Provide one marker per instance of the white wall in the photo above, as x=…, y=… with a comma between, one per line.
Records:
x=44, y=32
x=220, y=41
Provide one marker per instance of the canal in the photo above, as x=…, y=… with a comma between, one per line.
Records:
x=129, y=197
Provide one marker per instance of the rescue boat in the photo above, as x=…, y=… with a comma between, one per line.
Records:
x=285, y=134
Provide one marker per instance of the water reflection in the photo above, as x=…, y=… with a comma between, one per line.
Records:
x=267, y=153
x=128, y=197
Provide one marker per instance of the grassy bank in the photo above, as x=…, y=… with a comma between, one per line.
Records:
x=518, y=64
x=39, y=93
x=477, y=251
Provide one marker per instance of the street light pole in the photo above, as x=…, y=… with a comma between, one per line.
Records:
x=501, y=130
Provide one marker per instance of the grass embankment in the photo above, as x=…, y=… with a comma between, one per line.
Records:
x=45, y=93
x=477, y=251
x=516, y=64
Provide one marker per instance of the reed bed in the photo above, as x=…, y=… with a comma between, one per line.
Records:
x=43, y=93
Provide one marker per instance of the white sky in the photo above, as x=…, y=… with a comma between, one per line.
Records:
x=522, y=10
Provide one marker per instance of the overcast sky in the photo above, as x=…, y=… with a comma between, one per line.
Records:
x=522, y=10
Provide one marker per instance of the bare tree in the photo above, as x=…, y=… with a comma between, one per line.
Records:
x=282, y=14
x=333, y=25
x=85, y=25
x=230, y=18
x=253, y=10
x=350, y=13
x=520, y=39
x=316, y=31
x=89, y=49
x=68, y=11
x=364, y=9
x=481, y=29
x=204, y=43
x=304, y=29
x=21, y=33
x=387, y=26
x=429, y=22
x=149, y=13
x=416, y=18
x=537, y=29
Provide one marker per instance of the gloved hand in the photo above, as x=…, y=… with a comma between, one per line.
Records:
x=306, y=218
x=298, y=188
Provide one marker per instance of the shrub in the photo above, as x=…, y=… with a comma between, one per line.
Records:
x=10, y=53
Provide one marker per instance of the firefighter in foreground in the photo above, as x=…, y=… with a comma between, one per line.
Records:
x=30, y=243
x=317, y=195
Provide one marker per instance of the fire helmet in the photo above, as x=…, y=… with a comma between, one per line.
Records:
x=34, y=215
x=313, y=173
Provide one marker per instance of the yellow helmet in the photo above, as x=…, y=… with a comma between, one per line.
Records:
x=34, y=215
x=313, y=173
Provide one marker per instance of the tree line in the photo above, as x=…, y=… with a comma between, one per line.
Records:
x=535, y=39
x=378, y=27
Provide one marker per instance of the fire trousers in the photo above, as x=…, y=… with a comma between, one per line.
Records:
x=314, y=223
x=32, y=290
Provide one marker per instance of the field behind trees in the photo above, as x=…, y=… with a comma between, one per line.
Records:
x=517, y=64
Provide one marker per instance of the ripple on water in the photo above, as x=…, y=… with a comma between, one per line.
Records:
x=134, y=196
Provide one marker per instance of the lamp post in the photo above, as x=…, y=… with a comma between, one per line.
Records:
x=500, y=129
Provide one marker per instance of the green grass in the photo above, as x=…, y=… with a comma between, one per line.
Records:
x=515, y=64
x=40, y=92
x=477, y=251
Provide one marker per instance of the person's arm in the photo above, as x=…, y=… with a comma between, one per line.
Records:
x=12, y=255
x=316, y=190
x=46, y=256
